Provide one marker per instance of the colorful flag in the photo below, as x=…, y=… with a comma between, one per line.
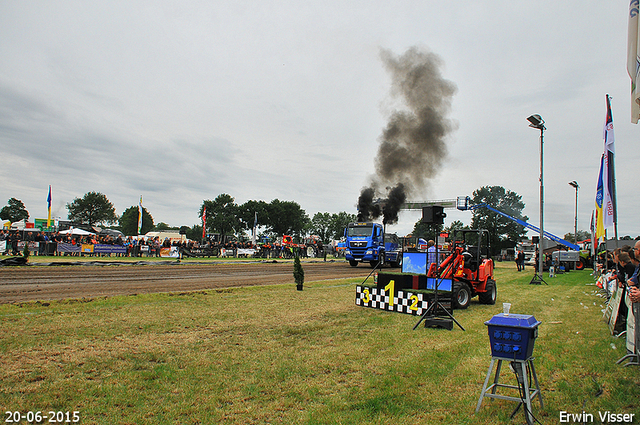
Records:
x=140, y=215
x=204, y=223
x=255, y=228
x=49, y=208
x=594, y=241
x=608, y=172
x=599, y=226
x=633, y=59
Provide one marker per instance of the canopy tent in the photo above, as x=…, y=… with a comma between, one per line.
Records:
x=76, y=232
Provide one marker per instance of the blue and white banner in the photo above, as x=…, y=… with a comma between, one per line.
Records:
x=608, y=171
x=633, y=59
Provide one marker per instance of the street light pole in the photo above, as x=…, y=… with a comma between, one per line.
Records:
x=537, y=122
x=576, y=186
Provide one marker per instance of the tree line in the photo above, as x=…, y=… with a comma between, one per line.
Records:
x=276, y=218
x=223, y=216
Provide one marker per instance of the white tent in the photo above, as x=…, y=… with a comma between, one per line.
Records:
x=77, y=232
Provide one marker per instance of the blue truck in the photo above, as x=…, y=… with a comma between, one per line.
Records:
x=368, y=242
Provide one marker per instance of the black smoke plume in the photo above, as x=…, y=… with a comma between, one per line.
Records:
x=394, y=201
x=367, y=209
x=412, y=146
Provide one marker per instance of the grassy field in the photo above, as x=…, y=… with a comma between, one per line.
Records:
x=277, y=355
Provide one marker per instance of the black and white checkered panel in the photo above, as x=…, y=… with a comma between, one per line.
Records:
x=410, y=303
x=404, y=302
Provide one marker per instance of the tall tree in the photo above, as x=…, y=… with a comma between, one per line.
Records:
x=286, y=218
x=129, y=221
x=503, y=233
x=195, y=232
x=339, y=222
x=426, y=231
x=92, y=209
x=321, y=226
x=14, y=211
x=248, y=211
x=222, y=215
x=454, y=227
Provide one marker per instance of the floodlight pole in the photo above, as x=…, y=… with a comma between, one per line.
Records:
x=576, y=186
x=538, y=123
x=541, y=247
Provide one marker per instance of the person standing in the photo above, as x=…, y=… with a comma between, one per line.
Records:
x=9, y=243
x=633, y=299
x=520, y=260
x=431, y=254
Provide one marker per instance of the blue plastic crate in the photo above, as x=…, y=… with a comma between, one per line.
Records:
x=512, y=336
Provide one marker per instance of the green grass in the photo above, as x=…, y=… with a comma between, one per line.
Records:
x=277, y=355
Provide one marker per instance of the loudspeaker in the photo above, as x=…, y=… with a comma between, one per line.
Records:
x=433, y=215
x=535, y=239
x=427, y=215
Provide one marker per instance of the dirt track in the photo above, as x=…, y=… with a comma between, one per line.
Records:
x=41, y=283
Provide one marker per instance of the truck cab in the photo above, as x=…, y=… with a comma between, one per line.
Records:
x=367, y=242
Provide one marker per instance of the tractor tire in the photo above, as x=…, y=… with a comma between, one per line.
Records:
x=353, y=263
x=461, y=296
x=398, y=263
x=490, y=296
x=580, y=265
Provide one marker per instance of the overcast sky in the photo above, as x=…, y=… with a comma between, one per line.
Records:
x=182, y=101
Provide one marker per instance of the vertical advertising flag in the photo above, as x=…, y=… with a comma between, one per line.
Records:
x=49, y=208
x=140, y=215
x=204, y=223
x=608, y=172
x=255, y=228
x=594, y=241
x=633, y=59
x=599, y=226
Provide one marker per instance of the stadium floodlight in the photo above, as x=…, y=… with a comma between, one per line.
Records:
x=538, y=123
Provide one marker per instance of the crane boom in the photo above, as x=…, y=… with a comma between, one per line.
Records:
x=523, y=223
x=462, y=204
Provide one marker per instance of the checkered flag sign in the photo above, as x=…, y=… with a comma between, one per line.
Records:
x=404, y=302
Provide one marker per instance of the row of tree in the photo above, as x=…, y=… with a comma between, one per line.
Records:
x=223, y=216
x=276, y=218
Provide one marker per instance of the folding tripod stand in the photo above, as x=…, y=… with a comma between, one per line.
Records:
x=537, y=279
x=430, y=316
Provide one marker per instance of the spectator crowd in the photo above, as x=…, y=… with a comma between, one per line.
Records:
x=52, y=244
x=618, y=270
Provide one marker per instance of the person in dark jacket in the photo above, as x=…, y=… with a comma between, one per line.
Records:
x=520, y=261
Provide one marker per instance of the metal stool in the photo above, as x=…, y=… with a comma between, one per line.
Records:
x=520, y=367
